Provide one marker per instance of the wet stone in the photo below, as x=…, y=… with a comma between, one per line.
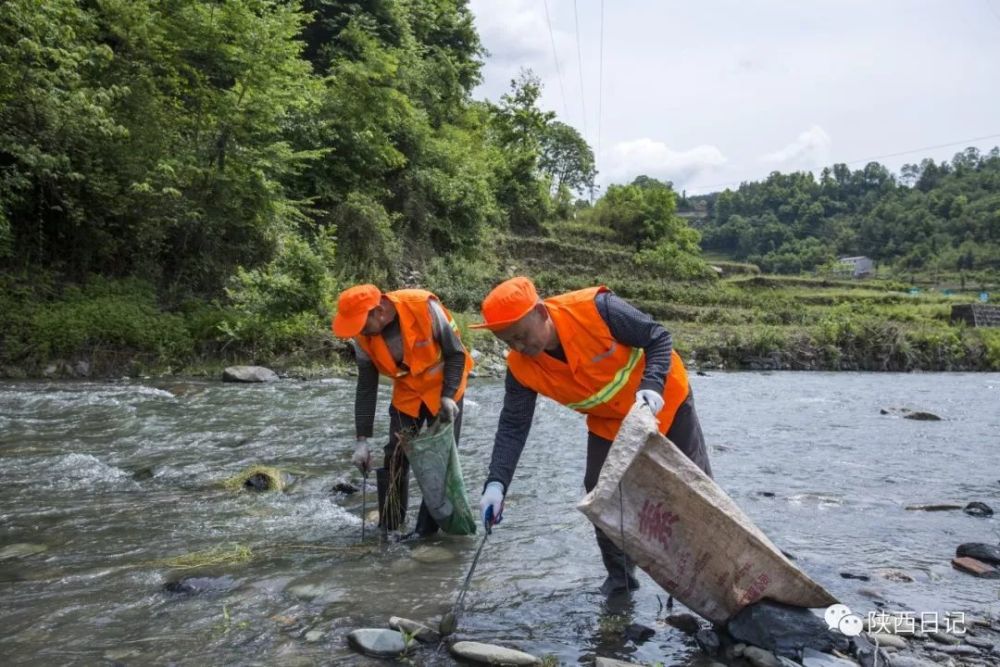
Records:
x=639, y=633
x=377, y=643
x=979, y=642
x=314, y=635
x=195, y=585
x=248, y=374
x=611, y=662
x=708, y=640
x=758, y=657
x=988, y=553
x=345, y=487
x=418, y=631
x=783, y=629
x=910, y=661
x=944, y=638
x=21, y=550
x=488, y=654
x=975, y=567
x=933, y=508
x=813, y=658
x=686, y=623
x=978, y=509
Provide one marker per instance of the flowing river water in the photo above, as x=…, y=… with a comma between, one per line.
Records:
x=112, y=478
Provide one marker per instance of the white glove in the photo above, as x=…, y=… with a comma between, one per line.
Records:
x=492, y=498
x=362, y=456
x=449, y=410
x=651, y=398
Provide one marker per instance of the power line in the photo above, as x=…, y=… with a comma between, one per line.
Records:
x=712, y=188
x=555, y=57
x=600, y=93
x=579, y=60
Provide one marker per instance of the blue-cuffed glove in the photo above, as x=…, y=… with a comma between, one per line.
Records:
x=651, y=398
x=491, y=504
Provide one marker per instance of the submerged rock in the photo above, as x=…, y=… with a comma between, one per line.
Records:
x=906, y=413
x=21, y=550
x=686, y=623
x=418, y=631
x=988, y=553
x=378, y=643
x=193, y=585
x=428, y=554
x=611, y=662
x=638, y=633
x=783, y=629
x=978, y=509
x=345, y=487
x=758, y=657
x=708, y=641
x=492, y=655
x=933, y=508
x=249, y=374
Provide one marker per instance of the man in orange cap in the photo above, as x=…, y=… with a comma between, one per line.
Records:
x=408, y=336
x=597, y=354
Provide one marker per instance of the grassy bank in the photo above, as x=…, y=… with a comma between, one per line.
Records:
x=742, y=320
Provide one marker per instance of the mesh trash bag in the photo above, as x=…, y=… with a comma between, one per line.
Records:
x=434, y=459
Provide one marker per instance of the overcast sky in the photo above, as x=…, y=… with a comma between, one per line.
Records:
x=708, y=93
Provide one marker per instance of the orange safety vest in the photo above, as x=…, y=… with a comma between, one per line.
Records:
x=423, y=378
x=600, y=375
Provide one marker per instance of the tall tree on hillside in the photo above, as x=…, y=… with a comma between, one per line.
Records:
x=566, y=158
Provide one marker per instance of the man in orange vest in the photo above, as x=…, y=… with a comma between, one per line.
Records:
x=408, y=336
x=597, y=354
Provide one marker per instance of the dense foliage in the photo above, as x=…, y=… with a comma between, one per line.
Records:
x=934, y=216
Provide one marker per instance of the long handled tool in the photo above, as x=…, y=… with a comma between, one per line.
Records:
x=449, y=622
x=364, y=503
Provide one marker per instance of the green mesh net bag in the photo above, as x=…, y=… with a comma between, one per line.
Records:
x=433, y=458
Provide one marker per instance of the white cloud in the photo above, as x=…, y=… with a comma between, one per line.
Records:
x=628, y=159
x=810, y=150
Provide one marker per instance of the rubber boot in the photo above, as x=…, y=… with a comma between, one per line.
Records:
x=392, y=507
x=621, y=569
x=426, y=524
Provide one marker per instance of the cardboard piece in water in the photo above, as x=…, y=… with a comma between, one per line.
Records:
x=682, y=529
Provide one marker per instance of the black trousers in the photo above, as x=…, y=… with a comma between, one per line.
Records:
x=685, y=432
x=398, y=467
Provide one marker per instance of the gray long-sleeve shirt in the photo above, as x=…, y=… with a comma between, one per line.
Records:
x=628, y=326
x=366, y=395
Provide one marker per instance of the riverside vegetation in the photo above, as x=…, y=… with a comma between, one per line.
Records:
x=185, y=187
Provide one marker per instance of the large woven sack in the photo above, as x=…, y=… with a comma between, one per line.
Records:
x=682, y=529
x=433, y=457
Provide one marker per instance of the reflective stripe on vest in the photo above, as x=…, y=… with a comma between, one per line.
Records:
x=608, y=391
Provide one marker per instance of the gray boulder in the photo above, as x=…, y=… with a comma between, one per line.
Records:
x=784, y=629
x=248, y=374
x=488, y=654
x=378, y=643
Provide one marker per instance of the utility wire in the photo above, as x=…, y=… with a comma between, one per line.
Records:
x=555, y=57
x=716, y=186
x=600, y=98
x=579, y=60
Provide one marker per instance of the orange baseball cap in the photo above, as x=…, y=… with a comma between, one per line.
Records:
x=352, y=309
x=507, y=303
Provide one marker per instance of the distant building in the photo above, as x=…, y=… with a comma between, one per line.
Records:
x=856, y=267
